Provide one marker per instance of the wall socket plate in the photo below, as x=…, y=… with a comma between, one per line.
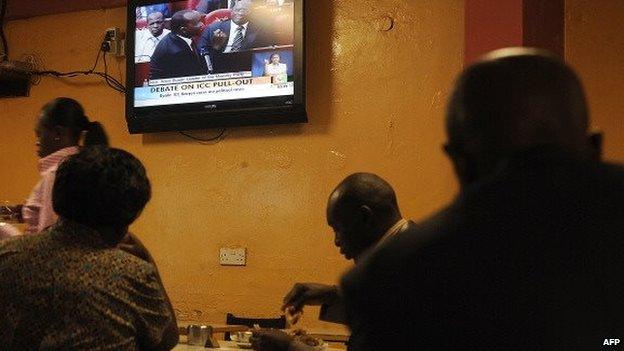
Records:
x=116, y=44
x=231, y=256
x=112, y=33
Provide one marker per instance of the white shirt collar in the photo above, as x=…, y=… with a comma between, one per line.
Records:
x=243, y=25
x=233, y=29
x=55, y=158
x=392, y=231
x=187, y=40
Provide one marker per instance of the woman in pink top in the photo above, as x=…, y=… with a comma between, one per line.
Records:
x=62, y=125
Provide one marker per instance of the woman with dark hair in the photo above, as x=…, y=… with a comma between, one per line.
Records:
x=274, y=67
x=73, y=286
x=61, y=129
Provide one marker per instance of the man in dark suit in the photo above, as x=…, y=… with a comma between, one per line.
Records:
x=363, y=212
x=529, y=255
x=234, y=37
x=177, y=55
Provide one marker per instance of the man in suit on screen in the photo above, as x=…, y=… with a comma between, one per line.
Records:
x=177, y=55
x=228, y=42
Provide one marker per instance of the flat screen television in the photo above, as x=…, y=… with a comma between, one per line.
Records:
x=199, y=64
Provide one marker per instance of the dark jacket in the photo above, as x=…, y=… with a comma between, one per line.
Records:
x=255, y=37
x=529, y=259
x=334, y=312
x=174, y=58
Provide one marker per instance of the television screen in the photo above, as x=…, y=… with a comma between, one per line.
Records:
x=199, y=64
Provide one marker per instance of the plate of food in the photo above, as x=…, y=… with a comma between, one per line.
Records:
x=303, y=337
x=242, y=339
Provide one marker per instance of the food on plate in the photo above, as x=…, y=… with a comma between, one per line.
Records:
x=303, y=337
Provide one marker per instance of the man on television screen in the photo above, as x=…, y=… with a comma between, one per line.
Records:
x=177, y=55
x=232, y=36
x=147, y=39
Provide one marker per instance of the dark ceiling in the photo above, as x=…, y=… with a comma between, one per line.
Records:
x=17, y=9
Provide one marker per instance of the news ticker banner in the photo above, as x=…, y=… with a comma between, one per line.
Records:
x=202, y=78
x=212, y=90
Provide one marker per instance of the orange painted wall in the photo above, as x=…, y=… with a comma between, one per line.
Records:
x=488, y=29
x=595, y=47
x=376, y=103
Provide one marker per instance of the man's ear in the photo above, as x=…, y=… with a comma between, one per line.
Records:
x=366, y=214
x=59, y=132
x=595, y=139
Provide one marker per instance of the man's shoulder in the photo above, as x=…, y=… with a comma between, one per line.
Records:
x=398, y=253
x=50, y=173
x=169, y=44
x=23, y=244
x=418, y=235
x=114, y=258
x=218, y=25
x=169, y=38
x=172, y=39
x=613, y=172
x=26, y=256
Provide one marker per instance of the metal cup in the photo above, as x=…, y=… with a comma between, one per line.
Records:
x=197, y=334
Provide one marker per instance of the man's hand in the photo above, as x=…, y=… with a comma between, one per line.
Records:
x=303, y=294
x=219, y=39
x=270, y=340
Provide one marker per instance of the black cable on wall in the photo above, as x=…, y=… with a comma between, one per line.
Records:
x=5, y=46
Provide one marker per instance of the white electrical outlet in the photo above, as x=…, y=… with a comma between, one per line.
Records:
x=115, y=44
x=232, y=256
x=112, y=33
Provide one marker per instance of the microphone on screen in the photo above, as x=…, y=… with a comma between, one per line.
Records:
x=204, y=53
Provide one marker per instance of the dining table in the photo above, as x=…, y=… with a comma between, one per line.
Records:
x=230, y=346
x=225, y=345
x=336, y=340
